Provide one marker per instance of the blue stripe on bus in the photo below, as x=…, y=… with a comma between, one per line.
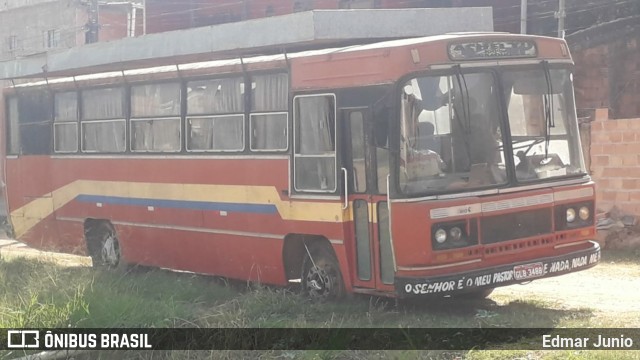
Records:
x=180, y=204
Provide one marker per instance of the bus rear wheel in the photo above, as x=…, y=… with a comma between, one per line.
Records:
x=321, y=277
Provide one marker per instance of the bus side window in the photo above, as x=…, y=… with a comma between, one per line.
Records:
x=13, y=137
x=315, y=143
x=268, y=120
x=103, y=123
x=35, y=116
x=381, y=138
x=65, y=122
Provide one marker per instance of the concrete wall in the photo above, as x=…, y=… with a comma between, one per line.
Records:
x=615, y=162
x=166, y=15
x=26, y=26
x=13, y=4
x=30, y=24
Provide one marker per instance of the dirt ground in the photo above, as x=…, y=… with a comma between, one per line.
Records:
x=609, y=289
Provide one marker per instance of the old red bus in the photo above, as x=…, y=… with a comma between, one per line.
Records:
x=430, y=166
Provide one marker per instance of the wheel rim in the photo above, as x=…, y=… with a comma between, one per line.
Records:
x=320, y=283
x=110, y=253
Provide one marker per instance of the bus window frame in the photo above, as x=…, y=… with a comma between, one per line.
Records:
x=286, y=135
x=131, y=134
x=336, y=145
x=187, y=137
x=288, y=110
x=126, y=99
x=186, y=116
x=67, y=122
x=10, y=142
x=394, y=141
x=497, y=70
x=552, y=66
x=131, y=118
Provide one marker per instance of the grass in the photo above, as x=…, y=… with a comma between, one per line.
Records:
x=35, y=293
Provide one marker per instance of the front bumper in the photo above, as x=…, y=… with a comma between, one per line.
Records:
x=503, y=275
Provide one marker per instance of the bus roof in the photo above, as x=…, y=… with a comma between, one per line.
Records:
x=274, y=35
x=308, y=56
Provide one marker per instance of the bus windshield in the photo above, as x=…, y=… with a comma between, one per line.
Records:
x=544, y=130
x=452, y=138
x=450, y=133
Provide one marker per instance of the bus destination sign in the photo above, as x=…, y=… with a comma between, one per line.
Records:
x=492, y=49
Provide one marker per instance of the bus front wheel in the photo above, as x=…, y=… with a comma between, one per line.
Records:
x=321, y=277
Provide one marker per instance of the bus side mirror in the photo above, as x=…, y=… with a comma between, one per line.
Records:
x=408, y=90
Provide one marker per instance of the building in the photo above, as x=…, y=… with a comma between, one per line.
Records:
x=29, y=27
x=166, y=15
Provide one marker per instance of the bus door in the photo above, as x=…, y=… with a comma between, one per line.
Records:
x=366, y=193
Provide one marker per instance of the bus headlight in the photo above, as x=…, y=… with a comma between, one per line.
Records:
x=456, y=233
x=584, y=213
x=573, y=216
x=441, y=236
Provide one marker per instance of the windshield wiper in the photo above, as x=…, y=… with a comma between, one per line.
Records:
x=549, y=115
x=466, y=110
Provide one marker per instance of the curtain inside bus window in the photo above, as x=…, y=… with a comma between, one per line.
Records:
x=223, y=99
x=315, y=155
x=35, y=115
x=154, y=125
x=269, y=131
x=217, y=96
x=216, y=133
x=66, y=137
x=544, y=144
x=103, y=104
x=155, y=100
x=103, y=125
x=66, y=106
x=65, y=125
x=155, y=134
x=269, y=92
x=104, y=136
x=269, y=99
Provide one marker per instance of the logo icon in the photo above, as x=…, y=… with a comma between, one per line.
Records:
x=23, y=339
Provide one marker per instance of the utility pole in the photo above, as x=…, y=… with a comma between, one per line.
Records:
x=93, y=25
x=523, y=16
x=561, y=14
x=144, y=17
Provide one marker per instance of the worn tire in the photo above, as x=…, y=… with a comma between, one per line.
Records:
x=323, y=281
x=104, y=248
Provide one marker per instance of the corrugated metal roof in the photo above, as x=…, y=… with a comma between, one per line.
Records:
x=238, y=61
x=294, y=32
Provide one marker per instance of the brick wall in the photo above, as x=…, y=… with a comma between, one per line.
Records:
x=607, y=75
x=615, y=162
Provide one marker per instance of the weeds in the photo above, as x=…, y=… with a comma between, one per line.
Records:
x=41, y=294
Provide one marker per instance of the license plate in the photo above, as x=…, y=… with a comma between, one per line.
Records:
x=528, y=271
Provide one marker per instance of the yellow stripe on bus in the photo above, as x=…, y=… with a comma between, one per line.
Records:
x=29, y=215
